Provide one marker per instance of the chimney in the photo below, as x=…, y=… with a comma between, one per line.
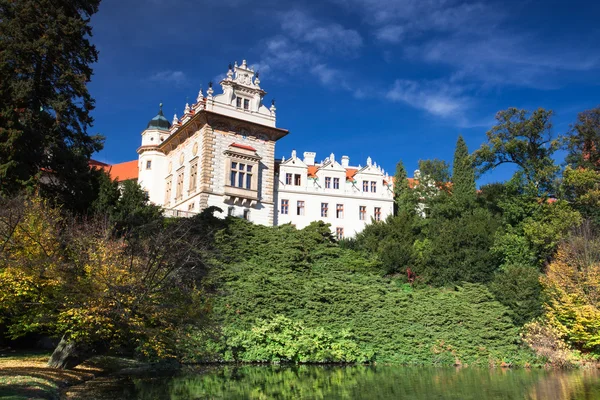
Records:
x=345, y=161
x=309, y=158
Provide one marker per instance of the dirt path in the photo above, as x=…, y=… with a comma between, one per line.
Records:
x=26, y=376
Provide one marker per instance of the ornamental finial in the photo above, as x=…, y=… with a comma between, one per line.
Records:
x=175, y=119
x=200, y=95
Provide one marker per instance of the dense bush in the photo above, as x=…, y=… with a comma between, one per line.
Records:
x=280, y=274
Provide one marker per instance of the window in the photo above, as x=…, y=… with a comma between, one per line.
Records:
x=246, y=104
x=300, y=208
x=241, y=175
x=327, y=182
x=339, y=211
x=193, y=176
x=336, y=183
x=285, y=206
x=149, y=164
x=377, y=214
x=297, y=179
x=247, y=215
x=365, y=186
x=288, y=179
x=362, y=213
x=339, y=233
x=238, y=102
x=373, y=186
x=230, y=211
x=179, y=188
x=168, y=191
x=324, y=209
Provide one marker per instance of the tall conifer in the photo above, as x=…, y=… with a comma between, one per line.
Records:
x=403, y=194
x=44, y=101
x=463, y=174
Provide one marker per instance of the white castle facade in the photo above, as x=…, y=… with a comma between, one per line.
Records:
x=221, y=152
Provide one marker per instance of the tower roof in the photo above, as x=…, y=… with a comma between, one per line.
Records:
x=159, y=122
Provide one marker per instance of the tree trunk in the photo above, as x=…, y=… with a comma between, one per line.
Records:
x=68, y=355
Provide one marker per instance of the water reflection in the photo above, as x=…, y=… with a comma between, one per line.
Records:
x=359, y=382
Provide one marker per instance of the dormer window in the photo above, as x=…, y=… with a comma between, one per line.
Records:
x=241, y=102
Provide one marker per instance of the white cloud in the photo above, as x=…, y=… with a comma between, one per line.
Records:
x=171, y=77
x=437, y=98
x=390, y=33
x=330, y=38
x=325, y=74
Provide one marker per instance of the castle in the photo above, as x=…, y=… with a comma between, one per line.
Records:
x=221, y=152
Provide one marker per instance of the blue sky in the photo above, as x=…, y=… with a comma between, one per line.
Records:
x=389, y=79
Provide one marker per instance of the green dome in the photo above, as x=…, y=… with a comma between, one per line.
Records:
x=159, y=122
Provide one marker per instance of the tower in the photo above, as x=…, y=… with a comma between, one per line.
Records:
x=151, y=158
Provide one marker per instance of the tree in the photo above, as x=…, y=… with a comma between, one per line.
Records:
x=518, y=287
x=404, y=197
x=44, y=102
x=459, y=249
x=581, y=188
x=524, y=139
x=583, y=142
x=75, y=280
x=438, y=171
x=571, y=284
x=464, y=190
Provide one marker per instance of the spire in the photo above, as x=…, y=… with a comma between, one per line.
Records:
x=256, y=80
x=210, y=91
x=175, y=120
x=200, y=95
x=187, y=108
x=369, y=161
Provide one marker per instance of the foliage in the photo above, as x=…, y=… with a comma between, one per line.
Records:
x=459, y=248
x=44, y=102
x=405, y=199
x=584, y=141
x=518, y=288
x=581, y=187
x=572, y=282
x=393, y=240
x=125, y=206
x=270, y=272
x=463, y=175
x=525, y=139
x=284, y=340
x=532, y=229
x=547, y=342
x=438, y=171
x=73, y=279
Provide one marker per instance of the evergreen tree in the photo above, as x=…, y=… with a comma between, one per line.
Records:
x=44, y=102
x=404, y=197
x=463, y=175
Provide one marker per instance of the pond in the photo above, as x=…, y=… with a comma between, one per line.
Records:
x=351, y=382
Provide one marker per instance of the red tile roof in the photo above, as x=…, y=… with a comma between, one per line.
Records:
x=350, y=172
x=123, y=171
x=243, y=146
